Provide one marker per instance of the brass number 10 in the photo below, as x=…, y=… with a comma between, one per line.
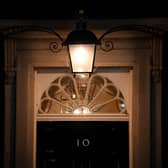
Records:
x=83, y=142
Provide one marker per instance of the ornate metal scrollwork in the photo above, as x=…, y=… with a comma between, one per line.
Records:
x=27, y=28
x=55, y=47
x=106, y=45
x=10, y=69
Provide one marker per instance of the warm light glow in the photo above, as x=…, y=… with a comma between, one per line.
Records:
x=80, y=54
x=73, y=96
x=122, y=105
x=82, y=57
x=82, y=110
x=82, y=76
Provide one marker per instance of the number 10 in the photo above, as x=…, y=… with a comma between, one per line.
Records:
x=83, y=142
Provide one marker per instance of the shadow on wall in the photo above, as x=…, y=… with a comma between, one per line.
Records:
x=2, y=95
x=165, y=103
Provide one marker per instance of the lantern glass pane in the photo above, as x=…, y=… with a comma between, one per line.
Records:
x=82, y=57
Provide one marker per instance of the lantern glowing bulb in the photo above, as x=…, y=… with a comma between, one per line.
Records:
x=82, y=57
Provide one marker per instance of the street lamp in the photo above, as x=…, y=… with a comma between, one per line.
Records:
x=81, y=44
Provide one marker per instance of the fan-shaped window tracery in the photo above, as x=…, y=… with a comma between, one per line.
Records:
x=81, y=95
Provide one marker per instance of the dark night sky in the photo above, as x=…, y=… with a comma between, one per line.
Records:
x=94, y=9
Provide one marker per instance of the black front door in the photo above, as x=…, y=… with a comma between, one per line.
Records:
x=83, y=144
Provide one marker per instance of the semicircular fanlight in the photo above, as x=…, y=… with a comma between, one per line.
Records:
x=94, y=95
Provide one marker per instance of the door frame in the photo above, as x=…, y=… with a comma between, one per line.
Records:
x=139, y=60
